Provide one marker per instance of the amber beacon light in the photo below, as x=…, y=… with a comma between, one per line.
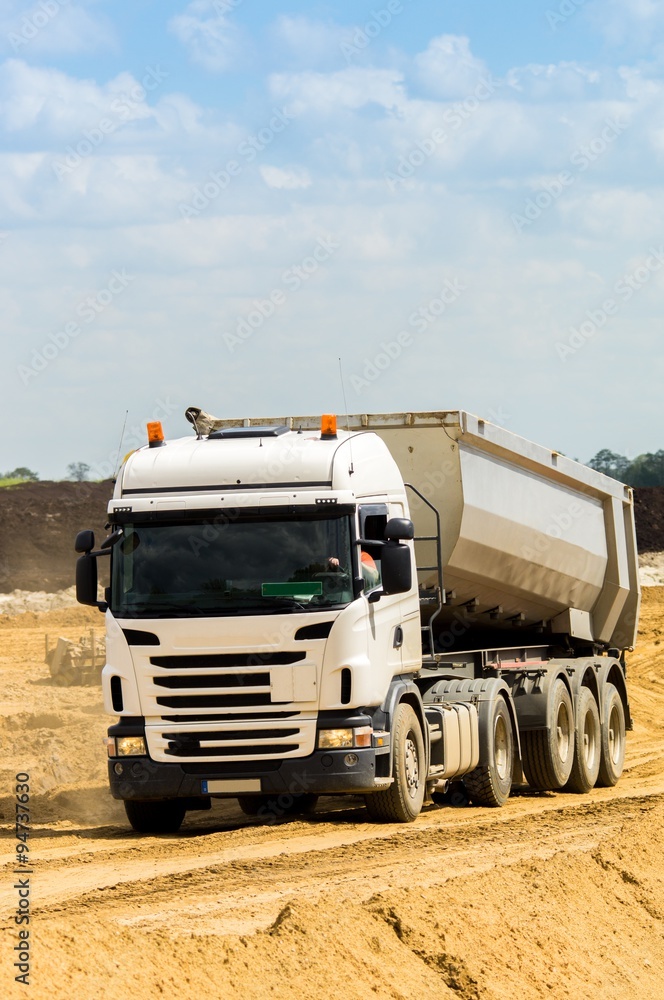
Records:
x=328, y=425
x=155, y=434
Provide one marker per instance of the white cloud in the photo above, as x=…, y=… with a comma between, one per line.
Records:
x=285, y=180
x=560, y=81
x=626, y=22
x=209, y=35
x=346, y=89
x=448, y=68
x=57, y=105
x=53, y=26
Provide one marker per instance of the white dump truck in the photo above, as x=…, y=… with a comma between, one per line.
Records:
x=413, y=604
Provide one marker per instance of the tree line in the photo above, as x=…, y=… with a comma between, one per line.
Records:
x=78, y=471
x=644, y=470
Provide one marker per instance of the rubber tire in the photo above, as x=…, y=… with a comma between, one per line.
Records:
x=161, y=816
x=546, y=768
x=587, y=744
x=251, y=805
x=612, y=757
x=401, y=802
x=490, y=783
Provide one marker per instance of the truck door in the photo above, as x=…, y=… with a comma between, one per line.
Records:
x=386, y=631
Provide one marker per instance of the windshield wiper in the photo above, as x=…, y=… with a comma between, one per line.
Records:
x=286, y=600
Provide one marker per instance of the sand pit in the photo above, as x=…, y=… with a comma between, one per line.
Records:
x=554, y=895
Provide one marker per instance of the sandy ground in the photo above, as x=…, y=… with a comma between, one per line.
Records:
x=552, y=896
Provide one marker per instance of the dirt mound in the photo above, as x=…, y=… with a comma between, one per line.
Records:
x=649, y=514
x=38, y=523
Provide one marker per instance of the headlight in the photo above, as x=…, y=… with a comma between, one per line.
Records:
x=335, y=739
x=130, y=746
x=340, y=739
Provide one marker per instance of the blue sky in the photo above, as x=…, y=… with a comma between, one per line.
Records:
x=209, y=203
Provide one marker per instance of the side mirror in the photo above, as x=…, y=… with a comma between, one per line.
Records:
x=86, y=579
x=396, y=567
x=112, y=539
x=85, y=541
x=399, y=528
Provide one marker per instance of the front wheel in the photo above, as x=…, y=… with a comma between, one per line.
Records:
x=612, y=758
x=402, y=801
x=162, y=816
x=491, y=781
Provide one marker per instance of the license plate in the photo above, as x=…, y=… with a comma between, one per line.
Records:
x=237, y=787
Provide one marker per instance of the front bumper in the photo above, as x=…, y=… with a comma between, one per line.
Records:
x=323, y=772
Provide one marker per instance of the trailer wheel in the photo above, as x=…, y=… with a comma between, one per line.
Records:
x=548, y=754
x=587, y=744
x=491, y=781
x=402, y=801
x=612, y=758
x=163, y=816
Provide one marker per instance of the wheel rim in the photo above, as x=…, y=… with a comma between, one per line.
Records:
x=563, y=732
x=589, y=741
x=501, y=748
x=614, y=736
x=412, y=767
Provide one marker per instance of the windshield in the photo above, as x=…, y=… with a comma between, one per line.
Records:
x=242, y=566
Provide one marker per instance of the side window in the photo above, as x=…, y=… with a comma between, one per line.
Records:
x=373, y=519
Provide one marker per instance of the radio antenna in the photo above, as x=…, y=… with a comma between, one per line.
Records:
x=343, y=392
x=124, y=426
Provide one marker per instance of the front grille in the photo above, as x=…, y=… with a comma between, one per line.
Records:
x=255, y=705
x=232, y=717
x=216, y=700
x=277, y=748
x=230, y=734
x=222, y=661
x=214, y=681
x=257, y=741
x=190, y=744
